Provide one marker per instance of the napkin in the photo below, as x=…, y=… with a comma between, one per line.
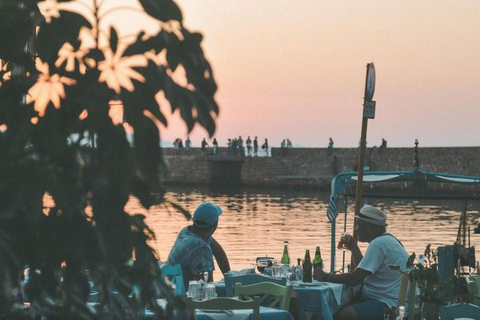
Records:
x=226, y=315
x=242, y=272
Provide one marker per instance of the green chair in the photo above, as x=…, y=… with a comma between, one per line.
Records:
x=473, y=286
x=247, y=279
x=226, y=304
x=271, y=294
x=175, y=275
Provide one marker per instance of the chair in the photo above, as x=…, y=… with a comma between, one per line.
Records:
x=175, y=275
x=271, y=294
x=247, y=279
x=409, y=296
x=473, y=286
x=226, y=304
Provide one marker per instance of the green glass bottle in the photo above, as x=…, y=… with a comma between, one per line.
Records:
x=317, y=260
x=307, y=267
x=285, y=257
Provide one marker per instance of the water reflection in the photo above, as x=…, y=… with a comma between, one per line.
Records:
x=257, y=221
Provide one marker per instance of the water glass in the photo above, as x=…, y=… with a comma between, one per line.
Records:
x=210, y=291
x=193, y=290
x=269, y=271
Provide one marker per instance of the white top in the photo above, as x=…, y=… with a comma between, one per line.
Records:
x=384, y=283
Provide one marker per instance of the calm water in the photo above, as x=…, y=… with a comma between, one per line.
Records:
x=255, y=222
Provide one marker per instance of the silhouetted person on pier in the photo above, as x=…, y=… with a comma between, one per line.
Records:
x=215, y=146
x=383, y=145
x=249, y=146
x=330, y=146
x=188, y=143
x=289, y=143
x=255, y=147
x=204, y=145
x=265, y=147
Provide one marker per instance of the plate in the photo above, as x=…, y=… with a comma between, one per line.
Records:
x=308, y=284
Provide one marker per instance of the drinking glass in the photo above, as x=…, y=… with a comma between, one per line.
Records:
x=269, y=271
x=193, y=290
x=343, y=242
x=210, y=291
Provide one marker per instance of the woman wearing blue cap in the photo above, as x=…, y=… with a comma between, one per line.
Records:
x=195, y=247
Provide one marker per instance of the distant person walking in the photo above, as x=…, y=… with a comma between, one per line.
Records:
x=265, y=147
x=188, y=144
x=255, y=147
x=249, y=146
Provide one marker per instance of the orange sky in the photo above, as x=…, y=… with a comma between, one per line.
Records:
x=296, y=69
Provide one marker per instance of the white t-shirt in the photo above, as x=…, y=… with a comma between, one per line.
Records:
x=384, y=283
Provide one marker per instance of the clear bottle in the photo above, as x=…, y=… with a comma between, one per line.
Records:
x=299, y=270
x=317, y=260
x=307, y=267
x=285, y=257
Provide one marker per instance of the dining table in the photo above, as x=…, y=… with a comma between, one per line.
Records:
x=319, y=300
x=311, y=300
x=265, y=314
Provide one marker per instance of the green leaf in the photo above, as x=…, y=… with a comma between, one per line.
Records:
x=163, y=10
x=52, y=36
x=113, y=39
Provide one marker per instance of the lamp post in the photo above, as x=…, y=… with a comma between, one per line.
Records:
x=368, y=113
x=416, y=163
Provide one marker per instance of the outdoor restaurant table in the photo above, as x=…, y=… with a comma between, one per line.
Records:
x=321, y=299
x=265, y=314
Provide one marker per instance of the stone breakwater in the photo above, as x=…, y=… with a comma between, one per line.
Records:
x=308, y=167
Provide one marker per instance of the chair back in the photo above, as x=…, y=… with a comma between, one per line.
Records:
x=224, y=303
x=175, y=275
x=409, y=296
x=247, y=279
x=473, y=286
x=271, y=294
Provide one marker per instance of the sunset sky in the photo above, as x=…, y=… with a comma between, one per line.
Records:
x=296, y=69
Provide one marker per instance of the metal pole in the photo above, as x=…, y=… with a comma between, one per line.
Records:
x=361, y=159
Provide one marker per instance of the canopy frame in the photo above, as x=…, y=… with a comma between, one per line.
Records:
x=406, y=185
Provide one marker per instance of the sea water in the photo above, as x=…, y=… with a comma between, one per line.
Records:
x=255, y=222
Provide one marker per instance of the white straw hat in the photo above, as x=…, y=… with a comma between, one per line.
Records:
x=372, y=215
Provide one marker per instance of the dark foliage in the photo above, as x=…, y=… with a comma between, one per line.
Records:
x=67, y=169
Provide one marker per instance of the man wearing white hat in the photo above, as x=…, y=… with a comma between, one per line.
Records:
x=380, y=284
x=195, y=247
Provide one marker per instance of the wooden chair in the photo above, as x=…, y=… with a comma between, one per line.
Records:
x=271, y=294
x=175, y=275
x=247, y=279
x=409, y=296
x=223, y=303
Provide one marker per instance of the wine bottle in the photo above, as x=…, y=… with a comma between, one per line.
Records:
x=317, y=260
x=307, y=267
x=285, y=257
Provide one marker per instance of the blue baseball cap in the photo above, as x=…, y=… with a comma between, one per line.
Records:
x=206, y=215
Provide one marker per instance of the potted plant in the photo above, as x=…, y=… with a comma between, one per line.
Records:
x=425, y=272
